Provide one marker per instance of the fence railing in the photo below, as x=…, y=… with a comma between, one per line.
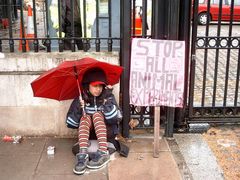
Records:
x=214, y=84
x=57, y=25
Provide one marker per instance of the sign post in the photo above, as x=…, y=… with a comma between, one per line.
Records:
x=156, y=132
x=157, y=77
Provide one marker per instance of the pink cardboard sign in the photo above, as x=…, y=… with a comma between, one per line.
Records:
x=157, y=72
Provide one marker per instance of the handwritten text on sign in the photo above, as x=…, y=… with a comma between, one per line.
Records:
x=157, y=72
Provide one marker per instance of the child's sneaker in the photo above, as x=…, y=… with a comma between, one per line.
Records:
x=99, y=160
x=82, y=160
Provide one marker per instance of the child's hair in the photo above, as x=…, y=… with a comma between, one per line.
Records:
x=92, y=75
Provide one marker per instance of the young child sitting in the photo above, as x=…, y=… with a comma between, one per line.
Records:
x=100, y=112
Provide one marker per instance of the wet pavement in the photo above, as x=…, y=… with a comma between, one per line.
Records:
x=198, y=157
x=186, y=156
x=29, y=160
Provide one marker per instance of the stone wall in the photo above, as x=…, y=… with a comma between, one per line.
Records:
x=23, y=114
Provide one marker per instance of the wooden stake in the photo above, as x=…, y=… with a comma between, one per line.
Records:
x=156, y=132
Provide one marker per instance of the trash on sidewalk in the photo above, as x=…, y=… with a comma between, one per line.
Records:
x=17, y=139
x=133, y=123
x=7, y=138
x=212, y=133
x=2, y=55
x=140, y=157
x=226, y=142
x=13, y=139
x=50, y=150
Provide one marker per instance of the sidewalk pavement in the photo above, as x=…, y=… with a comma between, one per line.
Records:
x=200, y=161
x=28, y=160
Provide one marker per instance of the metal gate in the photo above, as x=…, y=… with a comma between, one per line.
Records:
x=212, y=79
x=141, y=27
x=214, y=95
x=159, y=19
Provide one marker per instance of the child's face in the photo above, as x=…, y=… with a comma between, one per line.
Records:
x=95, y=90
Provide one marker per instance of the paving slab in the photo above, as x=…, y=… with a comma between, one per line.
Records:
x=179, y=159
x=70, y=177
x=145, y=145
x=199, y=157
x=141, y=165
x=19, y=161
x=29, y=160
x=28, y=146
x=17, y=167
x=61, y=164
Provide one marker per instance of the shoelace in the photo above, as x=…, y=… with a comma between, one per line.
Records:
x=81, y=160
x=97, y=156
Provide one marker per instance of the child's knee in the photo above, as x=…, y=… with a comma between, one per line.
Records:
x=86, y=119
x=98, y=115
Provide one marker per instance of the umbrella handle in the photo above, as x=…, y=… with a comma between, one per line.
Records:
x=80, y=97
x=79, y=90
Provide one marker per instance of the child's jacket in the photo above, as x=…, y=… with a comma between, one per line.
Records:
x=105, y=103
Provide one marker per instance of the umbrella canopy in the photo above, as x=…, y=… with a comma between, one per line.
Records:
x=62, y=82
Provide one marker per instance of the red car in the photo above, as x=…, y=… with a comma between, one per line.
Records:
x=214, y=10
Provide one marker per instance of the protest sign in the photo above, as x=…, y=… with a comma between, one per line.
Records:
x=157, y=72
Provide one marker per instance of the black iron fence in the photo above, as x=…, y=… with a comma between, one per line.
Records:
x=214, y=89
x=58, y=25
x=141, y=27
x=169, y=20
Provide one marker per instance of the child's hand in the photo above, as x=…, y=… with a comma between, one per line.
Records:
x=107, y=92
x=104, y=101
x=109, y=87
x=82, y=103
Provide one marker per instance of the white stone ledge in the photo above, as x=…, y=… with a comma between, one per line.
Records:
x=27, y=115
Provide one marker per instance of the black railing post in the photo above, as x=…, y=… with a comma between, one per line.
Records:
x=109, y=42
x=193, y=58
x=173, y=7
x=97, y=40
x=35, y=42
x=47, y=40
x=60, y=40
x=72, y=27
x=159, y=19
x=125, y=62
x=165, y=26
x=184, y=35
x=144, y=18
x=22, y=40
x=159, y=24
x=9, y=11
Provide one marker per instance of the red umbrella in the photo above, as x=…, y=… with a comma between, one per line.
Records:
x=62, y=82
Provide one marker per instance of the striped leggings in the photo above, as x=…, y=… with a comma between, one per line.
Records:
x=85, y=126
